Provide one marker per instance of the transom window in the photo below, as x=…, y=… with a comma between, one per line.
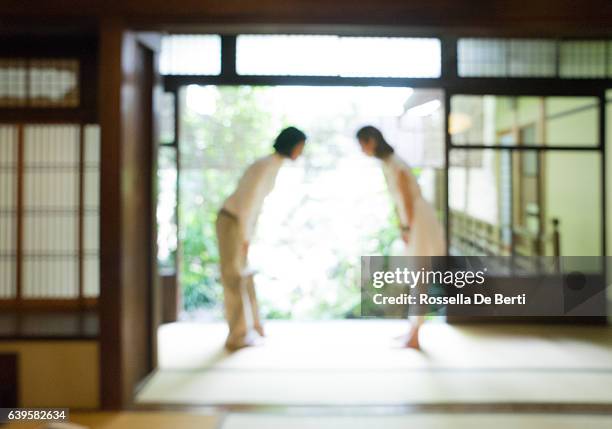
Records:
x=338, y=56
x=478, y=57
x=39, y=82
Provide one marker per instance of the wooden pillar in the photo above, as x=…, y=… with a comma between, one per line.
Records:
x=129, y=297
x=110, y=305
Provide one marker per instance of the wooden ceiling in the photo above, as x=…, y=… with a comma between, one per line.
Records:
x=486, y=17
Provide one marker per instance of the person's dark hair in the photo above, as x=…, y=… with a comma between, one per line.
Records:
x=288, y=139
x=383, y=149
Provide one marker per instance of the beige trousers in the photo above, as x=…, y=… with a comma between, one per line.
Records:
x=241, y=309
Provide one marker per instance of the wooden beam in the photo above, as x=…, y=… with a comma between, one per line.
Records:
x=49, y=304
x=502, y=16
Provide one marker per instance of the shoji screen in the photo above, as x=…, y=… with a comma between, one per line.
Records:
x=8, y=211
x=57, y=206
x=91, y=211
x=50, y=211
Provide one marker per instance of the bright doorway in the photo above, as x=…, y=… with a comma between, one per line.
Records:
x=326, y=210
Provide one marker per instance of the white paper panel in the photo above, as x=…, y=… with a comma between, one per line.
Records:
x=91, y=276
x=91, y=235
x=191, y=54
x=45, y=189
x=8, y=182
x=91, y=221
x=39, y=82
x=7, y=277
x=50, y=232
x=53, y=145
x=91, y=192
x=92, y=145
x=8, y=140
x=50, y=235
x=50, y=277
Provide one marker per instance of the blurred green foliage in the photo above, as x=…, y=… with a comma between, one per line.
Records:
x=212, y=160
x=215, y=149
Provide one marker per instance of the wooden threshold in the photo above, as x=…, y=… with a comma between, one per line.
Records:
x=49, y=304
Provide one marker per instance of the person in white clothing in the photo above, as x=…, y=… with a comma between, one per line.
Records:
x=420, y=229
x=235, y=227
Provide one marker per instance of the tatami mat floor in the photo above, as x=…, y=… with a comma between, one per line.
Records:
x=421, y=421
x=357, y=363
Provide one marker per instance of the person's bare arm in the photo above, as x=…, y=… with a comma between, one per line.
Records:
x=407, y=197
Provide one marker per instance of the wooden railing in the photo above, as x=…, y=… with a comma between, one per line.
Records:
x=472, y=236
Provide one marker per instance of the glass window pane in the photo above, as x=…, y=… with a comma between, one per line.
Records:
x=572, y=121
x=567, y=176
x=13, y=86
x=191, y=55
x=166, y=208
x=481, y=57
x=609, y=59
x=296, y=55
x=54, y=82
x=286, y=55
x=389, y=57
x=503, y=202
x=506, y=57
x=609, y=169
x=532, y=58
x=500, y=120
x=166, y=119
x=582, y=59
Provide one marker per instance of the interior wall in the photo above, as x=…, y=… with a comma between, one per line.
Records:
x=57, y=373
x=573, y=195
x=572, y=188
